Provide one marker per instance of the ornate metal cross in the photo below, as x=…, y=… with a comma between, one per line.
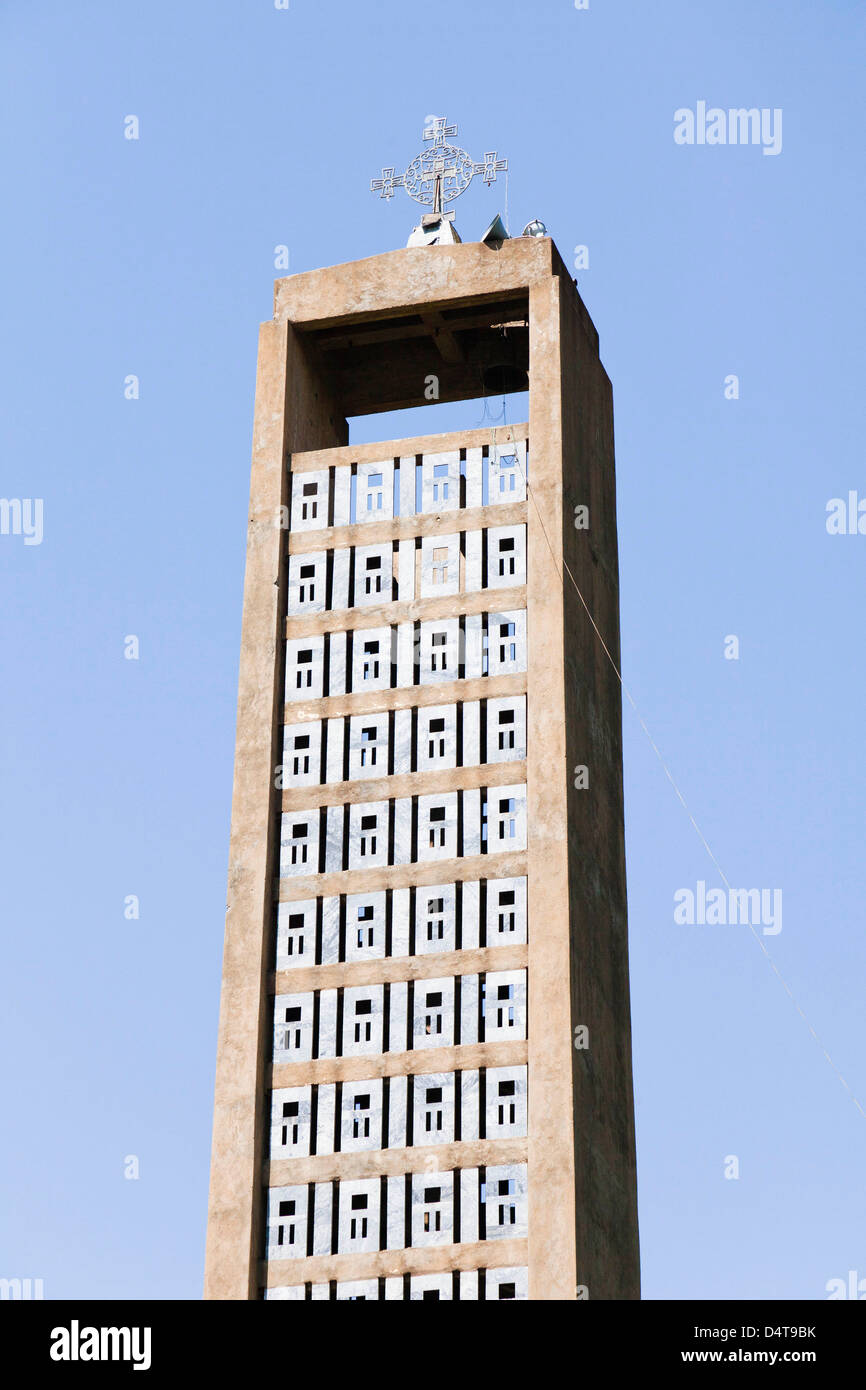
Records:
x=439, y=175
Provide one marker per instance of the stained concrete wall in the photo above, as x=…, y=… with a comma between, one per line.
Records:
x=579, y=1180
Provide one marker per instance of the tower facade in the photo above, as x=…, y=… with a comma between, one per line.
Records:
x=424, y=1081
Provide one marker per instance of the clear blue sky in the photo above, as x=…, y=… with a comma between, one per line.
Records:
x=260, y=127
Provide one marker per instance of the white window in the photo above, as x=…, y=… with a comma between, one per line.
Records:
x=439, y=657
x=435, y=919
x=506, y=557
x=291, y=1122
x=307, y=585
x=369, y=826
x=506, y=909
x=363, y=1020
x=433, y=1013
x=506, y=729
x=507, y=473
x=505, y=1006
x=440, y=565
x=505, y=1190
x=507, y=642
x=301, y=759
x=436, y=827
x=440, y=482
x=309, y=501
x=374, y=492
x=304, y=670
x=433, y=1110
x=294, y=937
x=361, y=1117
x=432, y=1214
x=287, y=1225
x=371, y=661
x=299, y=844
x=373, y=575
x=365, y=929
x=359, y=1218
x=292, y=1028
x=506, y=1102
x=436, y=738
x=368, y=746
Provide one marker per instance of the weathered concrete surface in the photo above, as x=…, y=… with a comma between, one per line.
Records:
x=582, y=1186
x=292, y=411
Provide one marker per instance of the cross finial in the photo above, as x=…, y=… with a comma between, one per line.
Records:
x=439, y=175
x=490, y=167
x=387, y=183
x=437, y=129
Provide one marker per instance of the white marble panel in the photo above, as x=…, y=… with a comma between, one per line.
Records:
x=505, y=1102
x=437, y=737
x=302, y=754
x=433, y=1014
x=361, y=1115
x=299, y=843
x=432, y=1209
x=304, y=668
x=307, y=576
x=290, y=1122
x=310, y=500
x=296, y=934
x=327, y=1043
x=437, y=826
x=362, y=1020
x=506, y=911
x=504, y=1005
x=325, y=1117
x=293, y=1027
x=470, y=1103
x=287, y=1223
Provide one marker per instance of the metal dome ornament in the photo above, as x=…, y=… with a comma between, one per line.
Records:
x=441, y=173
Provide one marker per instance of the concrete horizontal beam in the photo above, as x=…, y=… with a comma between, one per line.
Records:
x=404, y=784
x=384, y=286
x=374, y=1163
x=383, y=1264
x=419, y=610
x=405, y=697
x=407, y=528
x=292, y=890
x=388, y=969
x=420, y=1062
x=387, y=451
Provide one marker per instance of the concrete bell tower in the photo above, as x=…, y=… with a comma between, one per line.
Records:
x=424, y=1081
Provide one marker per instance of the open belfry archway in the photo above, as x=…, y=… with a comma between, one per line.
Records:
x=424, y=1084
